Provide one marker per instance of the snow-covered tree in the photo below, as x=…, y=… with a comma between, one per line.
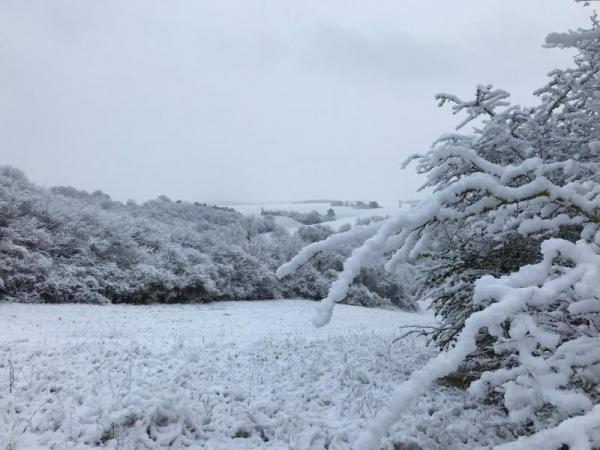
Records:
x=508, y=247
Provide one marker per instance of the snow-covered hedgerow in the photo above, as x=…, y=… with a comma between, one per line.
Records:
x=515, y=215
x=62, y=245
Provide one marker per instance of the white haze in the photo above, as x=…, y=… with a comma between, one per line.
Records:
x=253, y=100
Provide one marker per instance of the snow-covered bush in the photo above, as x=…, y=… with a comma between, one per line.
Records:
x=65, y=245
x=508, y=248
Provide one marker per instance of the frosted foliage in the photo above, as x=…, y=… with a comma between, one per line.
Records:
x=532, y=172
x=60, y=245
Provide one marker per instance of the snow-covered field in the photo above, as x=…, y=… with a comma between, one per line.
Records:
x=344, y=214
x=238, y=375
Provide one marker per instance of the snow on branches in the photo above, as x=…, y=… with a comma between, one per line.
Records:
x=532, y=173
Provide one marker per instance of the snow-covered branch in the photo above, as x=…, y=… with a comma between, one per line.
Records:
x=508, y=247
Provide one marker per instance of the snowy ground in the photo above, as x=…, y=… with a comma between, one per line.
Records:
x=238, y=375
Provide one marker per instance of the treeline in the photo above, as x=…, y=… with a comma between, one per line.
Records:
x=65, y=245
x=356, y=204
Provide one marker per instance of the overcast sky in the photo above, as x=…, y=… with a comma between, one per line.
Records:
x=253, y=100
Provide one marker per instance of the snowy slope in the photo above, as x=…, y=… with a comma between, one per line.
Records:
x=344, y=214
x=239, y=375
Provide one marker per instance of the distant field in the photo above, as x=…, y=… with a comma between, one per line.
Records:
x=344, y=214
